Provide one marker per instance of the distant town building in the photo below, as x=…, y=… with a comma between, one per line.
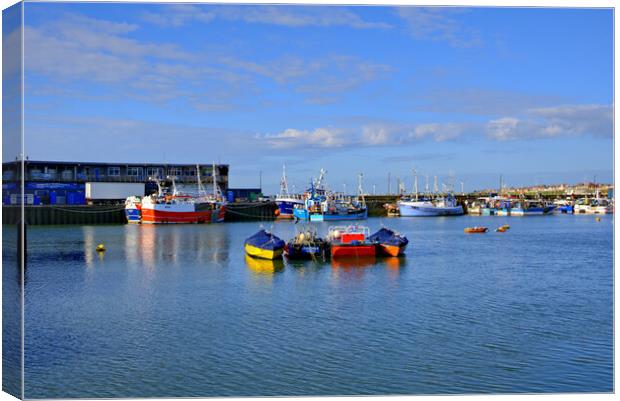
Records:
x=56, y=182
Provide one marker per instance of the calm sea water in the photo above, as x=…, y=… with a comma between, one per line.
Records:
x=178, y=311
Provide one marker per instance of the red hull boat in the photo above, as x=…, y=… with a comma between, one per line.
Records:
x=350, y=242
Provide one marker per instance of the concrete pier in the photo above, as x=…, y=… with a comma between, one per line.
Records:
x=92, y=214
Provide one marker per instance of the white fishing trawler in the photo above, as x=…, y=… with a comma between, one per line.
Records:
x=427, y=207
x=175, y=207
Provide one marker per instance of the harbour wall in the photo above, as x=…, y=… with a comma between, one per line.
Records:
x=93, y=214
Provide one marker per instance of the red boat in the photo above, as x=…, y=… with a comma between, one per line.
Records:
x=350, y=242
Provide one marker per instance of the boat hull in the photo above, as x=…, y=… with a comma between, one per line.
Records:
x=162, y=216
x=303, y=214
x=286, y=208
x=181, y=214
x=476, y=230
x=353, y=251
x=390, y=250
x=311, y=251
x=565, y=209
x=593, y=210
x=133, y=215
x=261, y=253
x=428, y=211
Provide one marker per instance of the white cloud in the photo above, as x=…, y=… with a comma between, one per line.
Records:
x=290, y=16
x=437, y=23
x=567, y=120
x=73, y=49
x=320, y=137
x=574, y=120
x=503, y=128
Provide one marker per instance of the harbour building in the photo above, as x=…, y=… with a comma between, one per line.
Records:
x=79, y=183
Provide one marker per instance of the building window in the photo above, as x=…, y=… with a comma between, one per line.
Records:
x=176, y=171
x=114, y=171
x=134, y=171
x=155, y=172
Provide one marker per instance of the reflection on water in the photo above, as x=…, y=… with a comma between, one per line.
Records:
x=264, y=266
x=181, y=311
x=352, y=263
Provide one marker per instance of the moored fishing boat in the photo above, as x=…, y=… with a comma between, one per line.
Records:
x=593, y=206
x=388, y=242
x=306, y=245
x=163, y=208
x=392, y=209
x=424, y=208
x=264, y=245
x=503, y=207
x=476, y=230
x=176, y=209
x=476, y=207
x=133, y=209
x=350, y=242
x=564, y=206
x=537, y=208
x=285, y=201
x=503, y=228
x=323, y=205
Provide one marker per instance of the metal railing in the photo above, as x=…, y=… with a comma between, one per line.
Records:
x=82, y=177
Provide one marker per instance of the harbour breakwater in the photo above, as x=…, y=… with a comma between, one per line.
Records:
x=115, y=214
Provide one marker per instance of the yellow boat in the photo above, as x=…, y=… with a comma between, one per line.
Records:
x=263, y=253
x=264, y=245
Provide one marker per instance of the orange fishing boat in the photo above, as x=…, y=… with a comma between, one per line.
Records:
x=476, y=230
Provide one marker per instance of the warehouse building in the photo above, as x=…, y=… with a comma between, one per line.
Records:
x=78, y=183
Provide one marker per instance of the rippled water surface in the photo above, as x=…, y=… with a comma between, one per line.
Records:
x=178, y=311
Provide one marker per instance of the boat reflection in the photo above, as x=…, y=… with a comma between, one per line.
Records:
x=146, y=245
x=264, y=266
x=347, y=263
x=394, y=265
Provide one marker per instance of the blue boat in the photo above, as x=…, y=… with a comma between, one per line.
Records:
x=264, y=245
x=306, y=244
x=286, y=202
x=133, y=211
x=322, y=205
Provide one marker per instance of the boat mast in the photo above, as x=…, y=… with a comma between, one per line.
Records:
x=500, y=186
x=435, y=187
x=360, y=191
x=283, y=183
x=174, y=186
x=201, y=190
x=215, y=188
x=415, y=183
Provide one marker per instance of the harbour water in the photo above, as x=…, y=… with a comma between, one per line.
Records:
x=177, y=311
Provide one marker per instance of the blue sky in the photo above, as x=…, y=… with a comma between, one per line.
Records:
x=525, y=92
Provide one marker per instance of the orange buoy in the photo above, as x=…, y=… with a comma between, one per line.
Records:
x=277, y=212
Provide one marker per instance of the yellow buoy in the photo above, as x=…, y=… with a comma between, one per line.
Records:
x=598, y=219
x=100, y=248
